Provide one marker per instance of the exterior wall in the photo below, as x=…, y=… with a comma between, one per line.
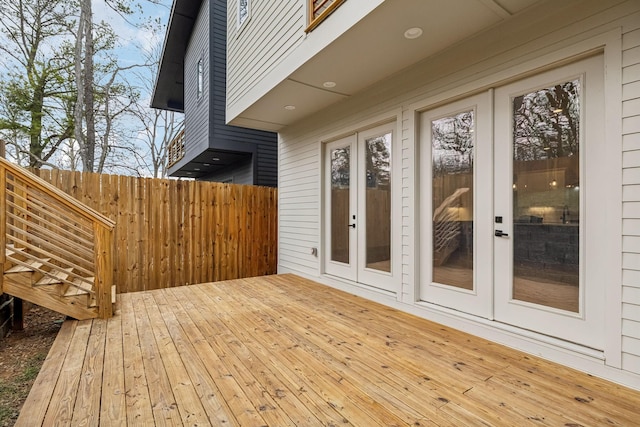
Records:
x=238, y=173
x=265, y=143
x=272, y=43
x=205, y=126
x=196, y=111
x=278, y=24
x=631, y=195
x=489, y=60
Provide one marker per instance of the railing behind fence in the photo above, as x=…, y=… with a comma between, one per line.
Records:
x=175, y=151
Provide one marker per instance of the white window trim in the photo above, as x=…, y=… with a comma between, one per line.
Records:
x=241, y=22
x=200, y=77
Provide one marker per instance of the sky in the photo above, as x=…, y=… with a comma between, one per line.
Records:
x=135, y=41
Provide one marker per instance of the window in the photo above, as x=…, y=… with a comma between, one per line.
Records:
x=319, y=10
x=200, y=77
x=243, y=11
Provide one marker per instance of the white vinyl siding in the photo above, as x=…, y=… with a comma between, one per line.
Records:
x=298, y=202
x=476, y=65
x=631, y=195
x=276, y=27
x=273, y=44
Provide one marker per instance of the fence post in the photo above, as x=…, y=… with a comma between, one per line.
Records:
x=104, y=269
x=3, y=219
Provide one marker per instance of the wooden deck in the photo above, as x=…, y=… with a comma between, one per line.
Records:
x=282, y=351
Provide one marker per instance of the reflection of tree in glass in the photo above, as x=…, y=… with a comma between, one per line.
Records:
x=340, y=167
x=546, y=122
x=378, y=161
x=452, y=144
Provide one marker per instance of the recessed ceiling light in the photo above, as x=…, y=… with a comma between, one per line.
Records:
x=329, y=84
x=206, y=164
x=290, y=107
x=413, y=33
x=196, y=169
x=216, y=159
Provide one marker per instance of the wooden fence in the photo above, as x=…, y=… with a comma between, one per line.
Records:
x=175, y=232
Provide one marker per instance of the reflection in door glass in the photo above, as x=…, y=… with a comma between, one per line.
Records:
x=452, y=199
x=378, y=202
x=546, y=196
x=340, y=183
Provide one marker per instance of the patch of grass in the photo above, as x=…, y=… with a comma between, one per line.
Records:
x=6, y=415
x=15, y=391
x=33, y=367
x=8, y=393
x=7, y=389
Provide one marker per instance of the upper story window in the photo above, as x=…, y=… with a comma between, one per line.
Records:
x=200, y=72
x=320, y=9
x=243, y=11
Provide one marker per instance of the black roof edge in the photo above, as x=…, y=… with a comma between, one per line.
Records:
x=168, y=92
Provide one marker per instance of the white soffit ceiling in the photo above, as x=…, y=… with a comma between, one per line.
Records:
x=376, y=48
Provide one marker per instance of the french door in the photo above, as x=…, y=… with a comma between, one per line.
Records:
x=510, y=210
x=359, y=219
x=456, y=198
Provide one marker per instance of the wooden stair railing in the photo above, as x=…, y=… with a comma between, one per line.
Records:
x=55, y=251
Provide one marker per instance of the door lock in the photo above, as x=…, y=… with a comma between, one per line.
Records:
x=351, y=225
x=499, y=233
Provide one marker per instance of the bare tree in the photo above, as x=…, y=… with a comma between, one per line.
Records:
x=36, y=83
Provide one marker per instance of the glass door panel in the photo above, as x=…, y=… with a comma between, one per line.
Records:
x=340, y=159
x=340, y=208
x=378, y=202
x=452, y=141
x=546, y=196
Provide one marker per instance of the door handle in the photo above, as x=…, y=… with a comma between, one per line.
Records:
x=499, y=233
x=351, y=225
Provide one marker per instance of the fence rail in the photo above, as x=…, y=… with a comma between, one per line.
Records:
x=176, y=232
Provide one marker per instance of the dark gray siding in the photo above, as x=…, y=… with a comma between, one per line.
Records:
x=266, y=170
x=205, y=128
x=197, y=110
x=238, y=173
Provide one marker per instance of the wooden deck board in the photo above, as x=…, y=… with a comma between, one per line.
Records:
x=285, y=351
x=86, y=410
x=113, y=408
x=40, y=395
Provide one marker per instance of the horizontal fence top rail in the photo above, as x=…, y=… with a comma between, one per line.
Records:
x=58, y=194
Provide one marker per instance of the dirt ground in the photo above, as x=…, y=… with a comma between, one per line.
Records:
x=21, y=356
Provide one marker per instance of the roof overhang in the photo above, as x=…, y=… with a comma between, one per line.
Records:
x=210, y=161
x=373, y=49
x=168, y=93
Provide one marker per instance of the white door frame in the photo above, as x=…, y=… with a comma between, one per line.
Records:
x=477, y=301
x=344, y=270
x=357, y=271
x=587, y=326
